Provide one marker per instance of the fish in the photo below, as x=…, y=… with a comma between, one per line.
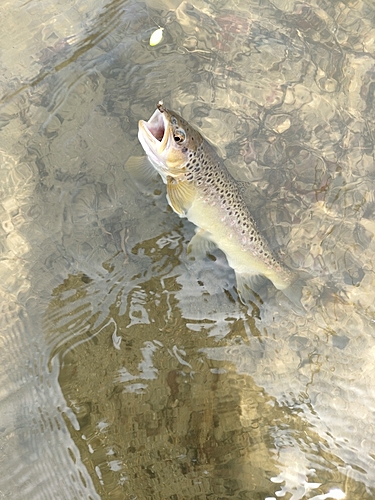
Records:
x=200, y=188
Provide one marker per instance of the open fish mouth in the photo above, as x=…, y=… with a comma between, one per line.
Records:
x=154, y=134
x=155, y=125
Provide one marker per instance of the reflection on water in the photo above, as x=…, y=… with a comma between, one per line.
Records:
x=128, y=371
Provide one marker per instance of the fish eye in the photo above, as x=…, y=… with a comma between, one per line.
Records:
x=179, y=135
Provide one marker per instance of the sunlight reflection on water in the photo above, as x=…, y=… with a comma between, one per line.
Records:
x=128, y=370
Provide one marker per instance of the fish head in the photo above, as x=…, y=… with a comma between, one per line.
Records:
x=168, y=140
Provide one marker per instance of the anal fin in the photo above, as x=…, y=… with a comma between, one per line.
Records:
x=249, y=287
x=252, y=287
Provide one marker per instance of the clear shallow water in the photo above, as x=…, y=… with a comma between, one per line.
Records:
x=126, y=370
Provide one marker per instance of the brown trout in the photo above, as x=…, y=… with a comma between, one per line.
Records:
x=200, y=188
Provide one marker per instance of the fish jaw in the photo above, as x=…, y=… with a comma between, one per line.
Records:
x=155, y=137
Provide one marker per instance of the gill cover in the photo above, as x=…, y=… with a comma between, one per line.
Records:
x=167, y=140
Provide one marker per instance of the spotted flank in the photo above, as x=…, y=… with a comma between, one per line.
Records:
x=200, y=188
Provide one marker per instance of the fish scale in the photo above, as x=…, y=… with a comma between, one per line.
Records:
x=220, y=188
x=200, y=188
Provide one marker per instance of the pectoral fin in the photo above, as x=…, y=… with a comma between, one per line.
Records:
x=143, y=173
x=180, y=195
x=200, y=244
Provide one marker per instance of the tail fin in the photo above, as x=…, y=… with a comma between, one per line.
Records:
x=294, y=293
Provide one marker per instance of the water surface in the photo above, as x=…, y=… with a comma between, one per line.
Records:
x=128, y=371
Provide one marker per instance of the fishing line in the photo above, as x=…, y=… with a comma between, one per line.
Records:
x=157, y=35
